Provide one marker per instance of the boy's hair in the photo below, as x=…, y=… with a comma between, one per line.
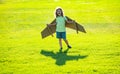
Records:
x=60, y=10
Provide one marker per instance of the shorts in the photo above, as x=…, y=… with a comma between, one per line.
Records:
x=61, y=35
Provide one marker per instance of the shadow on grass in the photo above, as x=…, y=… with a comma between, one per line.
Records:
x=61, y=57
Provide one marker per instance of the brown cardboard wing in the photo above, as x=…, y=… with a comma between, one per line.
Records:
x=50, y=29
x=75, y=26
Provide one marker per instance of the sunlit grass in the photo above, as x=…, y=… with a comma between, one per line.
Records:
x=21, y=44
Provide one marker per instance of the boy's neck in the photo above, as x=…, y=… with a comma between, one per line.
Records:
x=60, y=16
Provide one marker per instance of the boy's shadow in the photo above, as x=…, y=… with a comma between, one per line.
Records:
x=61, y=57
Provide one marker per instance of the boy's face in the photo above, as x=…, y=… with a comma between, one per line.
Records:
x=59, y=12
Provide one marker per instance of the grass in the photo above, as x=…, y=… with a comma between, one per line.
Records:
x=23, y=51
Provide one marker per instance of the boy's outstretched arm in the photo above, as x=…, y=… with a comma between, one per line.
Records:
x=69, y=21
x=52, y=23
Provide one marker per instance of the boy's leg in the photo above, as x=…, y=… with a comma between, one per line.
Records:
x=64, y=38
x=58, y=35
x=66, y=41
x=60, y=42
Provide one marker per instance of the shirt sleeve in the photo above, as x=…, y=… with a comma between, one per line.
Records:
x=65, y=18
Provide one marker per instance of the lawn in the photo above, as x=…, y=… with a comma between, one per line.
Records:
x=22, y=50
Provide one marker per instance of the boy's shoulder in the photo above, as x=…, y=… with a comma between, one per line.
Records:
x=65, y=17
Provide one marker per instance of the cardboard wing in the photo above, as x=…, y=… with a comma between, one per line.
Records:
x=75, y=26
x=50, y=29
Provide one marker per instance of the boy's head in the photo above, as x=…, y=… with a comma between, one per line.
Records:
x=59, y=12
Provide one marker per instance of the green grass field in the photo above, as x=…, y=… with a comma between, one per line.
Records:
x=23, y=51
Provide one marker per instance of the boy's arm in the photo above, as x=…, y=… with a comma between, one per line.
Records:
x=52, y=23
x=70, y=22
